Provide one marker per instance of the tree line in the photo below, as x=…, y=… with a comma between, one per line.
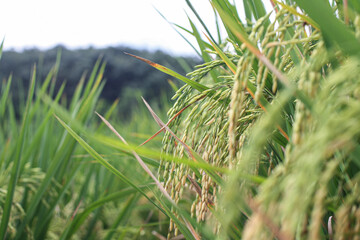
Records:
x=126, y=78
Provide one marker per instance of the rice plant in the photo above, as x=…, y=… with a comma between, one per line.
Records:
x=277, y=105
x=50, y=188
x=262, y=141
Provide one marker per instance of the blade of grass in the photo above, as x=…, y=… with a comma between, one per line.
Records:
x=77, y=94
x=64, y=151
x=41, y=227
x=108, y=113
x=92, y=78
x=154, y=154
x=1, y=47
x=127, y=209
x=199, y=18
x=141, y=162
x=95, y=90
x=334, y=31
x=205, y=56
x=192, y=34
x=58, y=167
x=247, y=11
x=5, y=95
x=103, y=162
x=183, y=37
x=81, y=217
x=217, y=27
x=17, y=160
x=257, y=10
x=296, y=13
x=231, y=11
x=170, y=72
x=40, y=130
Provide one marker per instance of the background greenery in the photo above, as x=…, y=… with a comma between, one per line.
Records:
x=125, y=78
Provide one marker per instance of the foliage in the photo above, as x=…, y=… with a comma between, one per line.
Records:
x=262, y=141
x=123, y=75
x=283, y=106
x=49, y=187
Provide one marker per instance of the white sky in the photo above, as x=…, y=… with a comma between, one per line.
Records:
x=81, y=23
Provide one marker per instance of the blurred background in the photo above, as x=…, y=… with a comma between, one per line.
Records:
x=84, y=31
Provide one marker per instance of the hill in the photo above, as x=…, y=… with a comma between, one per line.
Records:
x=126, y=78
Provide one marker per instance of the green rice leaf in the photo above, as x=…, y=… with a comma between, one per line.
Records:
x=170, y=72
x=182, y=36
x=17, y=160
x=103, y=162
x=302, y=16
x=336, y=34
x=83, y=215
x=205, y=56
x=1, y=48
x=5, y=95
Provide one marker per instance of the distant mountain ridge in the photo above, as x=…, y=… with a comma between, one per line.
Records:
x=123, y=74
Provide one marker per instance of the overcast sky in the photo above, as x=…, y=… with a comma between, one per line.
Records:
x=81, y=23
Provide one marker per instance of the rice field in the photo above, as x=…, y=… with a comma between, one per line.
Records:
x=261, y=141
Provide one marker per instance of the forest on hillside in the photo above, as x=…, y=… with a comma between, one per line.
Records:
x=126, y=78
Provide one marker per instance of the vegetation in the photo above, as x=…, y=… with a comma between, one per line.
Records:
x=50, y=187
x=262, y=141
x=125, y=78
